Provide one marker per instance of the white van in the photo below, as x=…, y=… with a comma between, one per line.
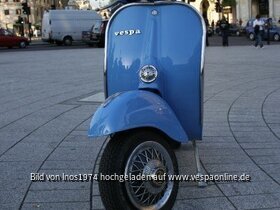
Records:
x=66, y=26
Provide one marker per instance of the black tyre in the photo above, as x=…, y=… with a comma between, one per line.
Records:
x=22, y=44
x=252, y=36
x=276, y=37
x=67, y=41
x=138, y=153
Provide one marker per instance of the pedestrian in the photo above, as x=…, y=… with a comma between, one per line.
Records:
x=258, y=26
x=240, y=22
x=36, y=32
x=224, y=27
x=207, y=27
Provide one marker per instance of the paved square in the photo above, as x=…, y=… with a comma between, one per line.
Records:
x=48, y=97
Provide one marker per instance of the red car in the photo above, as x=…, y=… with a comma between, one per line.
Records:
x=8, y=39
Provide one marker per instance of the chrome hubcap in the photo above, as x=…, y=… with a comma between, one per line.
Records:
x=152, y=163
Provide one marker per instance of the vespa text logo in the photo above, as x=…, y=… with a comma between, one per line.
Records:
x=128, y=32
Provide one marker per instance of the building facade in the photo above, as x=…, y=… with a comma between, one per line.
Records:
x=241, y=12
x=11, y=10
x=246, y=9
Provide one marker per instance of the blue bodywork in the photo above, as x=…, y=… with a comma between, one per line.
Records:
x=172, y=40
x=134, y=109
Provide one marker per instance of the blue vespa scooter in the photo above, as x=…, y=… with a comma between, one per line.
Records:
x=154, y=60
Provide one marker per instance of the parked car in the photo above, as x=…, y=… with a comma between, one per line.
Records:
x=274, y=30
x=8, y=39
x=234, y=30
x=96, y=35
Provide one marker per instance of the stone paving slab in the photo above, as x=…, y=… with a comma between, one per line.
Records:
x=44, y=123
x=53, y=196
x=214, y=203
x=56, y=206
x=261, y=201
x=236, y=189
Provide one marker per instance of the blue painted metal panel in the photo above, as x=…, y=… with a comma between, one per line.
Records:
x=172, y=41
x=134, y=109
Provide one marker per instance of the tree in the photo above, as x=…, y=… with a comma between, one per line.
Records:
x=230, y=3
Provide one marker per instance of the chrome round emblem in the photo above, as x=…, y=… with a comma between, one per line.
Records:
x=148, y=73
x=154, y=12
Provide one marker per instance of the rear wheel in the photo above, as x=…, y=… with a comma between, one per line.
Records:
x=142, y=153
x=67, y=41
x=276, y=37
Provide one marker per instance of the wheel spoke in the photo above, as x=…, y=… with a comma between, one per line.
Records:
x=137, y=168
x=155, y=197
x=157, y=154
x=140, y=161
x=145, y=193
x=147, y=159
x=147, y=199
x=150, y=151
x=146, y=156
x=138, y=187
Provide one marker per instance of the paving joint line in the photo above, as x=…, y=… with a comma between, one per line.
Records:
x=22, y=202
x=94, y=168
x=239, y=142
x=262, y=112
x=37, y=129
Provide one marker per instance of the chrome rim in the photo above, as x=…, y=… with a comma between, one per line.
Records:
x=152, y=161
x=276, y=37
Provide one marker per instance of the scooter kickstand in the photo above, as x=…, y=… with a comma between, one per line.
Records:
x=200, y=183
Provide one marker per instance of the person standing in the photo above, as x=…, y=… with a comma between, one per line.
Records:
x=224, y=27
x=240, y=22
x=258, y=26
x=207, y=28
